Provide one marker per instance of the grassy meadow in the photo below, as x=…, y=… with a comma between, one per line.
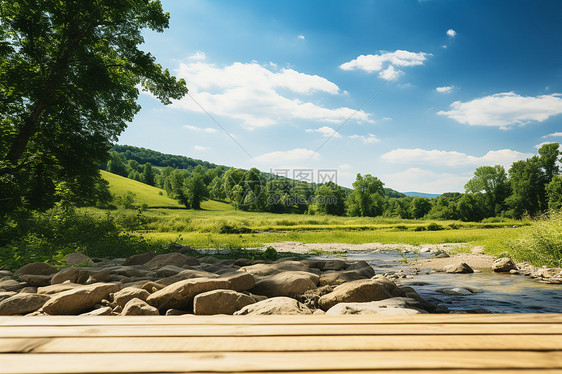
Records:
x=218, y=225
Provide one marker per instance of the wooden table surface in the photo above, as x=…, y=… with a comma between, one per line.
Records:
x=448, y=343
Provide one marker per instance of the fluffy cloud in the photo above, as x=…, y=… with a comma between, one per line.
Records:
x=451, y=33
x=195, y=128
x=388, y=64
x=421, y=180
x=452, y=158
x=260, y=96
x=301, y=37
x=326, y=132
x=197, y=56
x=554, y=134
x=279, y=157
x=504, y=109
x=369, y=139
x=444, y=89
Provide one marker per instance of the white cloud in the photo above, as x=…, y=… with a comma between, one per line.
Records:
x=297, y=154
x=452, y=158
x=198, y=56
x=301, y=37
x=421, y=180
x=388, y=64
x=444, y=46
x=259, y=95
x=195, y=128
x=369, y=139
x=504, y=109
x=344, y=166
x=200, y=148
x=444, y=89
x=326, y=132
x=451, y=33
x=554, y=134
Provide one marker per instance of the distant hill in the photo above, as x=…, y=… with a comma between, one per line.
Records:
x=421, y=194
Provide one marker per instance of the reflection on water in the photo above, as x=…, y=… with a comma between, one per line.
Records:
x=498, y=293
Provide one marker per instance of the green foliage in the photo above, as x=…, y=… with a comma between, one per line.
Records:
x=434, y=227
x=554, y=193
x=419, y=207
x=493, y=182
x=330, y=199
x=366, y=200
x=270, y=254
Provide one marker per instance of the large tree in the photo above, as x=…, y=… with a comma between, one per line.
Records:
x=493, y=183
x=70, y=73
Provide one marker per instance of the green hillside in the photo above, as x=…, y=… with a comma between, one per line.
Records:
x=152, y=196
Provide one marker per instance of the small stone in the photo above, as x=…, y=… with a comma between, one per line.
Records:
x=220, y=302
x=176, y=312
x=457, y=291
x=503, y=265
x=289, y=283
x=152, y=287
x=139, y=259
x=275, y=306
x=22, y=303
x=239, y=280
x=460, y=268
x=137, y=307
x=78, y=259
x=78, y=300
x=36, y=280
x=6, y=294
x=356, y=291
x=104, y=311
x=126, y=294
x=392, y=306
x=37, y=268
x=11, y=285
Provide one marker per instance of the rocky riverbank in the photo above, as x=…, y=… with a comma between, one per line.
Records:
x=178, y=283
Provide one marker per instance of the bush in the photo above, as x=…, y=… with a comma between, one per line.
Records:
x=270, y=254
x=434, y=227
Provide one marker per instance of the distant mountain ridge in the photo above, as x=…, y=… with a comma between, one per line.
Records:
x=422, y=194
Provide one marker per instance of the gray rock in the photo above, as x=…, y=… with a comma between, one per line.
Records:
x=80, y=299
x=36, y=280
x=503, y=265
x=392, y=306
x=37, y=268
x=81, y=275
x=137, y=307
x=275, y=306
x=123, y=296
x=6, y=294
x=456, y=291
x=180, y=295
x=22, y=303
x=78, y=259
x=220, y=302
x=357, y=291
x=288, y=283
x=11, y=285
x=460, y=268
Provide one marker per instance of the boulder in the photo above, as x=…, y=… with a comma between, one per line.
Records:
x=139, y=259
x=81, y=275
x=37, y=268
x=78, y=300
x=123, y=296
x=180, y=295
x=239, y=280
x=22, y=303
x=128, y=271
x=335, y=265
x=456, y=291
x=78, y=259
x=263, y=270
x=503, y=265
x=152, y=287
x=289, y=283
x=56, y=288
x=137, y=307
x=460, y=268
x=174, y=258
x=36, y=280
x=357, y=291
x=168, y=271
x=28, y=289
x=186, y=274
x=6, y=294
x=363, y=268
x=335, y=278
x=392, y=306
x=11, y=285
x=274, y=306
x=220, y=302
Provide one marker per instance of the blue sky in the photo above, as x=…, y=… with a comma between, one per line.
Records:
x=417, y=93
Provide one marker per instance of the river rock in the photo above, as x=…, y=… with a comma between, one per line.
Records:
x=263, y=270
x=275, y=306
x=456, y=291
x=123, y=296
x=310, y=298
x=220, y=302
x=28, y=289
x=11, y=285
x=78, y=300
x=37, y=268
x=460, y=268
x=503, y=265
x=239, y=280
x=174, y=258
x=137, y=307
x=168, y=271
x=128, y=271
x=335, y=278
x=335, y=265
x=288, y=283
x=363, y=268
x=56, y=288
x=186, y=274
x=180, y=295
x=36, y=280
x=6, y=294
x=152, y=287
x=103, y=311
x=392, y=306
x=22, y=303
x=139, y=259
x=81, y=275
x=78, y=259
x=357, y=291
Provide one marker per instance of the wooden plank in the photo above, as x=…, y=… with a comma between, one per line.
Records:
x=280, y=330
x=227, y=362
x=282, y=320
x=281, y=344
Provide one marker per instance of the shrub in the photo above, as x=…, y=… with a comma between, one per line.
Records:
x=270, y=254
x=434, y=227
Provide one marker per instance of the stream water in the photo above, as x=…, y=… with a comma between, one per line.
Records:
x=497, y=293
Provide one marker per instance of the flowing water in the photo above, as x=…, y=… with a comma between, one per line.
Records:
x=497, y=293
